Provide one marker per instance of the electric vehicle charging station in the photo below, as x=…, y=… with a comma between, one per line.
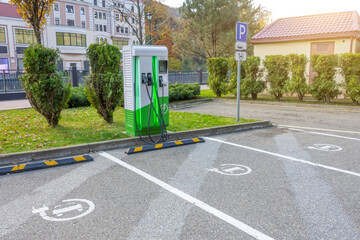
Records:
x=146, y=97
x=146, y=94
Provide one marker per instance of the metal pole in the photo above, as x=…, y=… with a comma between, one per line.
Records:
x=238, y=91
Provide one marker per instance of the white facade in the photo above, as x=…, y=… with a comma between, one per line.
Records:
x=71, y=27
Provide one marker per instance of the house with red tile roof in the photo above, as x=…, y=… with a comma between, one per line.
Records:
x=315, y=34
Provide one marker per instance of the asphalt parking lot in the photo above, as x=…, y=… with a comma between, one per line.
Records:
x=274, y=183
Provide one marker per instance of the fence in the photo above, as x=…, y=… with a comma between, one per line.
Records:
x=198, y=76
x=10, y=82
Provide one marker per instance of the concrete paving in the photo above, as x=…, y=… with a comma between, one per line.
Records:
x=274, y=183
x=14, y=104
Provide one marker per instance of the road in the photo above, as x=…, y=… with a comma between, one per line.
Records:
x=274, y=183
x=306, y=115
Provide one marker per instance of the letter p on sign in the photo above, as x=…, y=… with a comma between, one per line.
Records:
x=241, y=32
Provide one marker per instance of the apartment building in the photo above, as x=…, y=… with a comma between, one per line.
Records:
x=71, y=27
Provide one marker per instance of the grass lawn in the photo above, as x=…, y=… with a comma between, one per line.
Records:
x=208, y=93
x=26, y=130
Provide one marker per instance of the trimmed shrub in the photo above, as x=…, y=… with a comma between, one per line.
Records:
x=104, y=85
x=297, y=82
x=349, y=64
x=179, y=91
x=233, y=76
x=252, y=83
x=324, y=87
x=277, y=67
x=43, y=84
x=78, y=98
x=217, y=81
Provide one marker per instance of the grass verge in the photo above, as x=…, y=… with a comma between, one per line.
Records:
x=26, y=130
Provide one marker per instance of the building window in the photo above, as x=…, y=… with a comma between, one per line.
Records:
x=132, y=9
x=104, y=28
x=83, y=24
x=122, y=5
x=20, y=64
x=100, y=15
x=82, y=11
x=96, y=14
x=2, y=35
x=120, y=43
x=4, y=65
x=100, y=27
x=117, y=17
x=70, y=39
x=104, y=15
x=69, y=9
x=56, y=7
x=25, y=36
x=70, y=22
x=117, y=29
x=96, y=27
x=126, y=30
x=57, y=21
x=95, y=2
x=103, y=3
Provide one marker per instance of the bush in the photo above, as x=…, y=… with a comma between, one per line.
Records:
x=43, y=84
x=324, y=87
x=252, y=84
x=78, y=98
x=217, y=81
x=179, y=91
x=277, y=67
x=297, y=83
x=349, y=64
x=233, y=76
x=104, y=85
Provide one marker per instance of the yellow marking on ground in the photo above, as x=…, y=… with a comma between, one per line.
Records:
x=178, y=142
x=51, y=163
x=196, y=140
x=319, y=129
x=18, y=167
x=138, y=149
x=79, y=158
x=314, y=108
x=160, y=145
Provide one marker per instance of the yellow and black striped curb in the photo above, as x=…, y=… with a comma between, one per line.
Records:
x=164, y=145
x=44, y=164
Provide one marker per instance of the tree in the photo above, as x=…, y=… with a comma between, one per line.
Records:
x=209, y=27
x=297, y=82
x=34, y=13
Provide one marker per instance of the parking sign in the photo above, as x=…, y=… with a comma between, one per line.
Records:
x=241, y=32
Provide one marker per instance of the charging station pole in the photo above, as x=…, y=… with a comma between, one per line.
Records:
x=240, y=55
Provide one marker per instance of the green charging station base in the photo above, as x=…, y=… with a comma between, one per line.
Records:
x=176, y=143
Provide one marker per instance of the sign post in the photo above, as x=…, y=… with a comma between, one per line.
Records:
x=240, y=55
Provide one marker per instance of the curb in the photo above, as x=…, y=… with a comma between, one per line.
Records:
x=44, y=164
x=60, y=152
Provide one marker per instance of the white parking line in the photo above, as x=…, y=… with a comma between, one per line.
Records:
x=325, y=134
x=286, y=157
x=223, y=216
x=319, y=129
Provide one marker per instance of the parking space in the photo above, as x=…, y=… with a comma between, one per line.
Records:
x=275, y=183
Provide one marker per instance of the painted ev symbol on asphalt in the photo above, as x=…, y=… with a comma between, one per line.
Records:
x=325, y=147
x=231, y=169
x=69, y=210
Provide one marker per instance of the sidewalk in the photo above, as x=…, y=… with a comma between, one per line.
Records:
x=14, y=104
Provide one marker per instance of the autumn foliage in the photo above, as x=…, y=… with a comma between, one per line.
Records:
x=34, y=13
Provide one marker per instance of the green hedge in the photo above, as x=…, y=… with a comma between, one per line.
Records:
x=324, y=87
x=277, y=67
x=349, y=64
x=217, y=81
x=297, y=82
x=179, y=91
x=78, y=98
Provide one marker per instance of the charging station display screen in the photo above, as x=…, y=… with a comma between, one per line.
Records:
x=162, y=66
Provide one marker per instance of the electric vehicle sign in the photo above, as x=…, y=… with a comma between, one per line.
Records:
x=231, y=169
x=164, y=108
x=70, y=209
